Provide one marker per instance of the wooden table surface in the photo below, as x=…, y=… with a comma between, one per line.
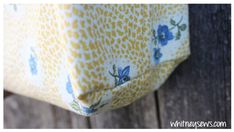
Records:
x=198, y=90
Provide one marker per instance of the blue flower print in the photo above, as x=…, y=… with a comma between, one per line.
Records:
x=88, y=110
x=93, y=108
x=75, y=104
x=164, y=34
x=157, y=55
x=123, y=74
x=33, y=64
x=69, y=87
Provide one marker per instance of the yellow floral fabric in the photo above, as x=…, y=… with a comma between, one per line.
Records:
x=92, y=58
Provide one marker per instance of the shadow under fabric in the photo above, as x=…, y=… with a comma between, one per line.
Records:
x=92, y=58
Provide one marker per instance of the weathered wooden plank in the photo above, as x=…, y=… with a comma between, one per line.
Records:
x=23, y=112
x=199, y=89
x=227, y=64
x=141, y=114
x=66, y=119
x=61, y=118
x=78, y=121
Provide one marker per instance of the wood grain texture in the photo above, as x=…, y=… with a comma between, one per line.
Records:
x=23, y=112
x=78, y=121
x=141, y=114
x=200, y=88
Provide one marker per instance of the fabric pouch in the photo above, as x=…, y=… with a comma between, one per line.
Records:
x=92, y=58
